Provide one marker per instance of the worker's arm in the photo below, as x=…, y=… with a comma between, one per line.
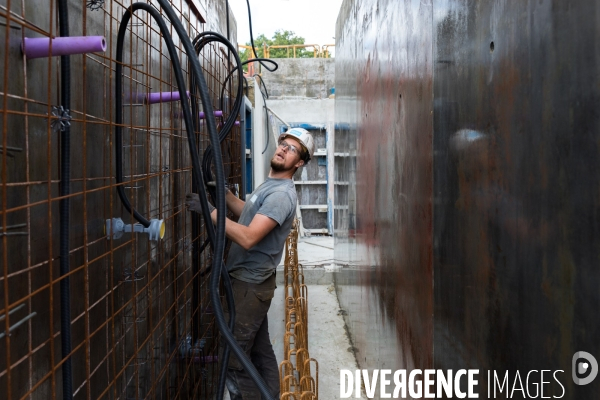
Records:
x=247, y=236
x=235, y=204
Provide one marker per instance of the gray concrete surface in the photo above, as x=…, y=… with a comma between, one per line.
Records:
x=316, y=256
x=303, y=110
x=301, y=77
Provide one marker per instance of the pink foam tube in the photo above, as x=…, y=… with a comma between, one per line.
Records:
x=62, y=46
x=218, y=113
x=161, y=97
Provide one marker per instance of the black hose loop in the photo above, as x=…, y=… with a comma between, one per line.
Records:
x=219, y=246
x=226, y=348
x=252, y=41
x=216, y=238
x=199, y=42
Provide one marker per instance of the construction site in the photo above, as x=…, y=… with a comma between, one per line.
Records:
x=445, y=211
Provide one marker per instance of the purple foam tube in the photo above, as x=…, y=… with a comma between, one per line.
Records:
x=161, y=97
x=218, y=113
x=62, y=46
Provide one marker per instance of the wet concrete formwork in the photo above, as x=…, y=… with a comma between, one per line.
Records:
x=472, y=233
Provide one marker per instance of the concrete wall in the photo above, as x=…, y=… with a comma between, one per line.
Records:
x=468, y=235
x=300, y=78
x=311, y=111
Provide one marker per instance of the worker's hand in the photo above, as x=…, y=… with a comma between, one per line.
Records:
x=229, y=187
x=192, y=202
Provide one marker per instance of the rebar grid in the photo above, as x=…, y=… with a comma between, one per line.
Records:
x=295, y=371
x=132, y=311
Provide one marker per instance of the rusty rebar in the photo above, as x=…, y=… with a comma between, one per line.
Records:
x=123, y=329
x=296, y=378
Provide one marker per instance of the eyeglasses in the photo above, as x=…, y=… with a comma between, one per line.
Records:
x=285, y=145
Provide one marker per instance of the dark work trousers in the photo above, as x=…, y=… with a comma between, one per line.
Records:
x=252, y=301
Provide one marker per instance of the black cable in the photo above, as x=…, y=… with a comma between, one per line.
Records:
x=252, y=40
x=207, y=158
x=196, y=251
x=119, y=117
x=219, y=244
x=219, y=235
x=200, y=42
x=196, y=172
x=216, y=238
x=266, y=94
x=65, y=188
x=204, y=39
x=262, y=83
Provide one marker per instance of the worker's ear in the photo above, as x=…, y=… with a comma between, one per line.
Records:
x=299, y=164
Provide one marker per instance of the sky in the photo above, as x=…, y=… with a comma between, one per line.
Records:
x=314, y=20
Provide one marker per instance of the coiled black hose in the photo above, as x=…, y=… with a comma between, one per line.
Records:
x=218, y=237
x=219, y=246
x=260, y=60
x=196, y=172
x=207, y=158
x=266, y=93
x=65, y=189
x=200, y=42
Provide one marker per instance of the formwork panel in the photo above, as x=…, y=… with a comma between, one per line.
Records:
x=134, y=302
x=383, y=140
x=469, y=239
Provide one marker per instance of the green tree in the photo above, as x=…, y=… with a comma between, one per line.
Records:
x=279, y=38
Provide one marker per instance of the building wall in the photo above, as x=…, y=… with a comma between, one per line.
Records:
x=468, y=235
x=132, y=302
x=306, y=78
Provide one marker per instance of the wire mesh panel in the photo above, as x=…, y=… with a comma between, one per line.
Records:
x=140, y=317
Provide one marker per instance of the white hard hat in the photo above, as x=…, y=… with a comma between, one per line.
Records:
x=304, y=138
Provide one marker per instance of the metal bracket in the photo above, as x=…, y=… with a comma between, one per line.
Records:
x=63, y=118
x=95, y=4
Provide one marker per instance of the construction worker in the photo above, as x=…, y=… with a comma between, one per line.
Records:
x=265, y=221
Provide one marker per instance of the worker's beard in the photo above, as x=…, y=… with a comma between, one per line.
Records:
x=277, y=166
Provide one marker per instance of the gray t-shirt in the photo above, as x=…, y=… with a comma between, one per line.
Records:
x=276, y=199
